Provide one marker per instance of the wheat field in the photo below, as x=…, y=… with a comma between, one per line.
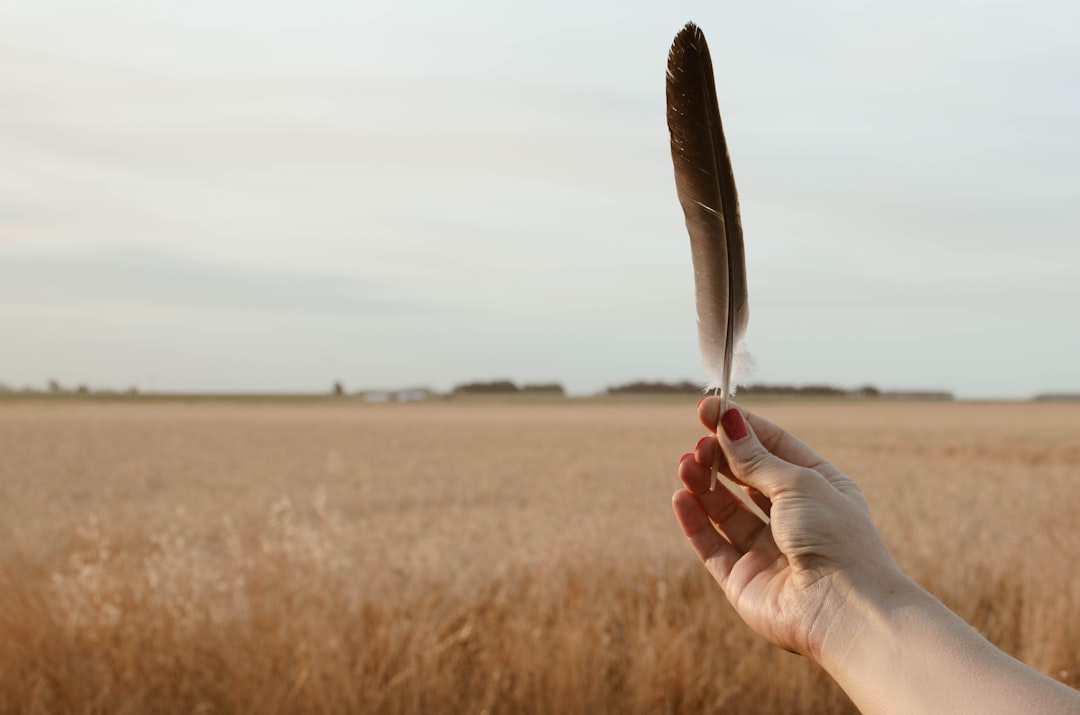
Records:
x=222, y=557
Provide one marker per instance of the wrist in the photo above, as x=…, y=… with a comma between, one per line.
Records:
x=872, y=650
x=868, y=617
x=896, y=649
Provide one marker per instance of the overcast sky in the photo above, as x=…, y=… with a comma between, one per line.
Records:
x=270, y=196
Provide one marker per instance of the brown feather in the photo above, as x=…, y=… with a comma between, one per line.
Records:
x=706, y=188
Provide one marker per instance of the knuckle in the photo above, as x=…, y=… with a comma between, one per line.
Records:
x=755, y=460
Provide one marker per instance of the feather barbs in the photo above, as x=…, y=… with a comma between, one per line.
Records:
x=706, y=187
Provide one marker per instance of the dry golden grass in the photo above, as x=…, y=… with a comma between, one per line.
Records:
x=475, y=558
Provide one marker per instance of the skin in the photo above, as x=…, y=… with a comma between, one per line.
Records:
x=818, y=580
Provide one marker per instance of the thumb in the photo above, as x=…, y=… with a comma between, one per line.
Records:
x=747, y=457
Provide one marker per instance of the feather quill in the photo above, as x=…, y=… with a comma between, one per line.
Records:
x=706, y=188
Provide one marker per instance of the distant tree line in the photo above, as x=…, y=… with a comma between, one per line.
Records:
x=760, y=390
x=55, y=387
x=689, y=388
x=810, y=390
x=655, y=388
x=506, y=387
x=1058, y=397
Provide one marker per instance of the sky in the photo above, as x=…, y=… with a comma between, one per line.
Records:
x=241, y=196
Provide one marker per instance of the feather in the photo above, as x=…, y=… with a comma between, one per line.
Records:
x=706, y=188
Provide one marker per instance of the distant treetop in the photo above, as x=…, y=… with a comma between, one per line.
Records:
x=505, y=387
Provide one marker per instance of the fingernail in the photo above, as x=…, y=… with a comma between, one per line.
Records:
x=685, y=456
x=700, y=401
x=734, y=425
x=703, y=440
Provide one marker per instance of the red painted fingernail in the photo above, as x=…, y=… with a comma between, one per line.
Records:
x=734, y=425
x=685, y=456
x=700, y=401
x=703, y=440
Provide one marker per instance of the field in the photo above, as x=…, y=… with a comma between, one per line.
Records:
x=220, y=557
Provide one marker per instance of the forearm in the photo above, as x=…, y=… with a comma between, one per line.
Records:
x=902, y=651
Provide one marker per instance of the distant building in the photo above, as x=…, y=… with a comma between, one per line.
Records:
x=411, y=394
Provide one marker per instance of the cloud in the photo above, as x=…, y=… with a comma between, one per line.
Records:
x=469, y=179
x=137, y=277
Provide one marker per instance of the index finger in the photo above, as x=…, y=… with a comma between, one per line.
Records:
x=776, y=439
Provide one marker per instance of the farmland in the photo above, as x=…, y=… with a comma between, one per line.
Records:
x=267, y=557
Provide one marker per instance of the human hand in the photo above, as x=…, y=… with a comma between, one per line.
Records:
x=817, y=579
x=797, y=579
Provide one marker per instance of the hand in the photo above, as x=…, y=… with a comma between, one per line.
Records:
x=816, y=579
x=795, y=579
